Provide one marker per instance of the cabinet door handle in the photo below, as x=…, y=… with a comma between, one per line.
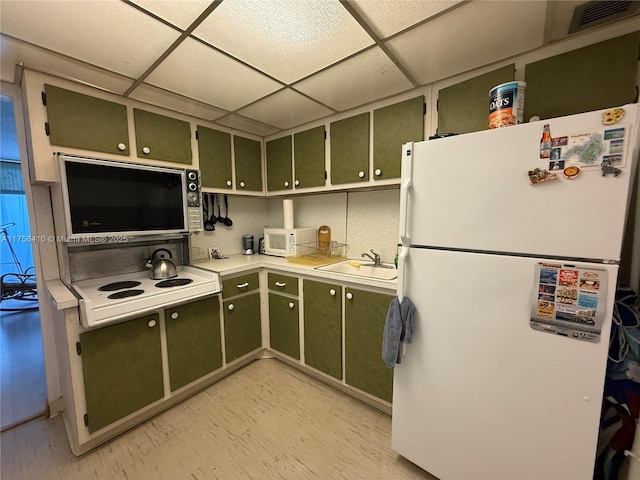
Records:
x=174, y=315
x=230, y=307
x=241, y=184
x=297, y=182
x=146, y=150
x=361, y=174
x=378, y=172
x=122, y=147
x=281, y=284
x=286, y=184
x=349, y=295
x=151, y=323
x=243, y=285
x=291, y=304
x=229, y=183
x=332, y=292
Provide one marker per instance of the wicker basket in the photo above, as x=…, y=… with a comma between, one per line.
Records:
x=319, y=253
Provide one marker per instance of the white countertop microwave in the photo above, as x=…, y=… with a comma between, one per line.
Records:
x=102, y=198
x=282, y=242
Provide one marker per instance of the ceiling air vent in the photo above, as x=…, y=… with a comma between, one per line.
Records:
x=598, y=12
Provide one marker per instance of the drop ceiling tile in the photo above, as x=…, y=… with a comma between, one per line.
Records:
x=199, y=72
x=14, y=52
x=111, y=35
x=393, y=16
x=362, y=79
x=287, y=39
x=181, y=14
x=468, y=37
x=244, y=124
x=285, y=109
x=177, y=103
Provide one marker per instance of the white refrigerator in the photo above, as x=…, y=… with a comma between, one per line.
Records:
x=513, y=280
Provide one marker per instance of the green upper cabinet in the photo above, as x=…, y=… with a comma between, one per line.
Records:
x=162, y=138
x=122, y=369
x=193, y=340
x=464, y=107
x=393, y=126
x=214, y=153
x=309, y=158
x=598, y=76
x=364, y=318
x=248, y=164
x=279, y=165
x=350, y=149
x=81, y=121
x=323, y=327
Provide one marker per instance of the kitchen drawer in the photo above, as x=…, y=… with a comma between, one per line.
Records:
x=241, y=284
x=283, y=283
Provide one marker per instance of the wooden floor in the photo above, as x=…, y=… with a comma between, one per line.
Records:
x=266, y=421
x=23, y=388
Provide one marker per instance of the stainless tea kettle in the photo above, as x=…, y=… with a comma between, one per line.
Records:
x=162, y=268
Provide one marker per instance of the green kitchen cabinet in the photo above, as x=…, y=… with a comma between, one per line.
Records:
x=214, y=153
x=122, y=369
x=284, y=325
x=309, y=157
x=393, y=126
x=323, y=327
x=350, y=149
x=282, y=283
x=244, y=283
x=242, y=329
x=365, y=315
x=193, y=340
x=85, y=122
x=279, y=164
x=159, y=137
x=248, y=161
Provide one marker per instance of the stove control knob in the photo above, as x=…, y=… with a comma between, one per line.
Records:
x=151, y=323
x=174, y=315
x=230, y=307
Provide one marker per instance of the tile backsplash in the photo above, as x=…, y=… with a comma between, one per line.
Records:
x=364, y=220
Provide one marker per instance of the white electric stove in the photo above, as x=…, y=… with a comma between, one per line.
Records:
x=113, y=298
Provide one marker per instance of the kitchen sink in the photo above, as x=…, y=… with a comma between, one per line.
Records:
x=385, y=271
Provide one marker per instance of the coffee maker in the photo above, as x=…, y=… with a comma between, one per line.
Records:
x=247, y=245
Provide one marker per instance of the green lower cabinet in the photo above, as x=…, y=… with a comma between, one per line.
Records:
x=193, y=341
x=365, y=314
x=284, y=325
x=122, y=369
x=323, y=327
x=242, y=330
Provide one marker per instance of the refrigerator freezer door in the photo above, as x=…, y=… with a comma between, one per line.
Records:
x=479, y=393
x=472, y=192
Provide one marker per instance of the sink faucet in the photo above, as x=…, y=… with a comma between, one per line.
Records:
x=375, y=257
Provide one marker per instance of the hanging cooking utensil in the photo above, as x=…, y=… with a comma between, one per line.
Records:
x=227, y=221
x=220, y=217
x=208, y=226
x=213, y=219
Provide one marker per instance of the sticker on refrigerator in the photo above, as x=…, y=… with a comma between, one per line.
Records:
x=569, y=300
x=589, y=150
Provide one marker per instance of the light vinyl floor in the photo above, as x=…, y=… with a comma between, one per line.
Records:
x=265, y=421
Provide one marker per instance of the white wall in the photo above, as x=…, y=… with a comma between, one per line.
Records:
x=363, y=220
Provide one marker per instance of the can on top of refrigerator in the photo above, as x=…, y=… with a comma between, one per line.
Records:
x=506, y=104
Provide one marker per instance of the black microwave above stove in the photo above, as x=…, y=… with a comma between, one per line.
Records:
x=103, y=198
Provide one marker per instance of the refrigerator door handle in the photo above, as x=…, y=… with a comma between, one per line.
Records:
x=403, y=256
x=405, y=187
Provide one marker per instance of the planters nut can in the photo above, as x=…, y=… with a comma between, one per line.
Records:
x=506, y=104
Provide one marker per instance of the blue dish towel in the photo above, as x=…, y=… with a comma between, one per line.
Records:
x=398, y=328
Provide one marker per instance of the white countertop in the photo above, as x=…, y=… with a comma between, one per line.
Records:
x=240, y=263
